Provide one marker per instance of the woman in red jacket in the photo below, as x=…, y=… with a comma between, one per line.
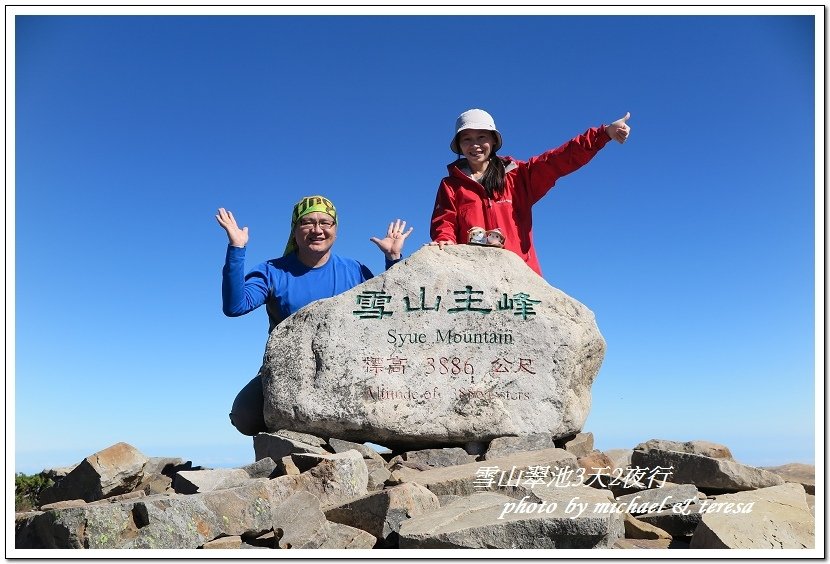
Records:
x=491, y=192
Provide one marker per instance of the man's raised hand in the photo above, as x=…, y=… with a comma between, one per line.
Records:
x=236, y=237
x=392, y=244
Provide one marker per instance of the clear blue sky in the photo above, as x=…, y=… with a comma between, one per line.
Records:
x=694, y=243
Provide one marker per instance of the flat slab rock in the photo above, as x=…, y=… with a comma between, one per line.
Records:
x=703, y=448
x=437, y=350
x=492, y=520
x=511, y=472
x=707, y=473
x=775, y=518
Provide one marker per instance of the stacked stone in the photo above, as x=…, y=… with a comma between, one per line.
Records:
x=304, y=491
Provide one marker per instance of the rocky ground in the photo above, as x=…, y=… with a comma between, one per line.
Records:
x=304, y=491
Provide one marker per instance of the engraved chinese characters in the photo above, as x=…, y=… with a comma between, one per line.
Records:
x=454, y=345
x=372, y=305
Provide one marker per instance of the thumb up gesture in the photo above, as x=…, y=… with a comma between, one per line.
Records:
x=619, y=130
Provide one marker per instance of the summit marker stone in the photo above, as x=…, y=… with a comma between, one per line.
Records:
x=447, y=347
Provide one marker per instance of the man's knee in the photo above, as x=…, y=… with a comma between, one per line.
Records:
x=246, y=413
x=246, y=425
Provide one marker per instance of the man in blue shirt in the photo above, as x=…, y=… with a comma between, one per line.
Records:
x=308, y=271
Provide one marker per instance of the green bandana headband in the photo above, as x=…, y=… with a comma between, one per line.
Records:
x=307, y=205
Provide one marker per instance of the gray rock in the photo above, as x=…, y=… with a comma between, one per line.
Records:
x=275, y=446
x=476, y=448
x=333, y=479
x=378, y=474
x=115, y=470
x=666, y=497
x=262, y=468
x=500, y=474
x=59, y=473
x=483, y=520
x=447, y=499
x=305, y=438
x=57, y=528
x=121, y=497
x=625, y=483
x=190, y=521
x=399, y=462
x=502, y=446
x=381, y=513
x=598, y=468
x=343, y=536
x=578, y=501
x=675, y=521
x=439, y=457
x=401, y=475
x=625, y=478
x=619, y=457
x=581, y=445
x=367, y=452
x=703, y=448
x=165, y=465
x=162, y=521
x=593, y=500
x=710, y=474
x=299, y=523
x=286, y=466
x=63, y=504
x=804, y=474
x=224, y=543
x=159, y=472
x=305, y=461
x=636, y=529
x=156, y=484
x=332, y=369
x=648, y=544
x=777, y=518
x=25, y=533
x=194, y=481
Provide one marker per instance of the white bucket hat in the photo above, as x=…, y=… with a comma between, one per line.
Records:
x=474, y=119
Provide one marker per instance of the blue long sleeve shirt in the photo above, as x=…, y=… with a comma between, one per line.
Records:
x=285, y=284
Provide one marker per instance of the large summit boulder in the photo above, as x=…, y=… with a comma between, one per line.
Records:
x=448, y=346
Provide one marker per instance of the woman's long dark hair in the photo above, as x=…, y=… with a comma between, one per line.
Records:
x=493, y=177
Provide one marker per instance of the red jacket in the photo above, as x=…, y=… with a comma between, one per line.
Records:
x=462, y=202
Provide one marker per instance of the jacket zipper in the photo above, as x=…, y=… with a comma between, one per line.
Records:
x=488, y=202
